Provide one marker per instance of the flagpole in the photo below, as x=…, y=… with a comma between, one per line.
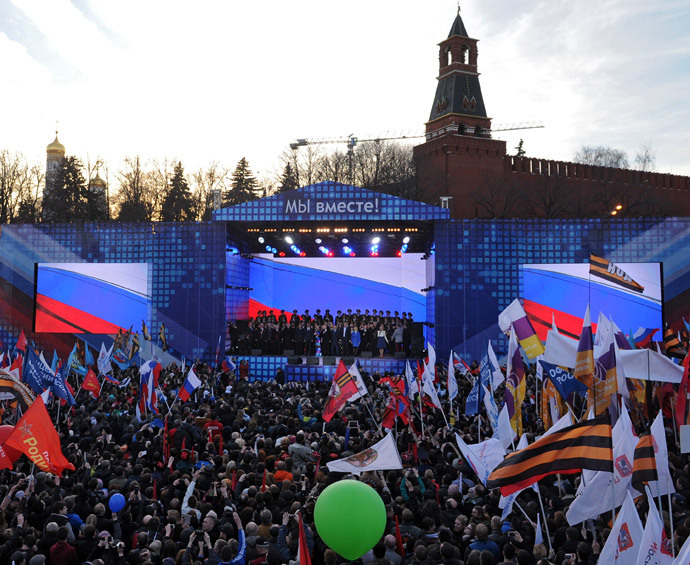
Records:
x=670, y=513
x=173, y=403
x=546, y=523
x=479, y=428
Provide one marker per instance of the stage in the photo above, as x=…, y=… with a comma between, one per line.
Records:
x=264, y=368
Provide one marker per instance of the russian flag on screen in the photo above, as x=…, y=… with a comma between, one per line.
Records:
x=191, y=383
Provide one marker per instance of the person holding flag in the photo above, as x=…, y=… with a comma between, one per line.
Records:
x=342, y=388
x=190, y=384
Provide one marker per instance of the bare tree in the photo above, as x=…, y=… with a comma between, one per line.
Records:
x=645, y=159
x=15, y=184
x=602, y=156
x=136, y=200
x=499, y=199
x=205, y=183
x=551, y=198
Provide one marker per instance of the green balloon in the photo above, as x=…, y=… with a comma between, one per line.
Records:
x=350, y=518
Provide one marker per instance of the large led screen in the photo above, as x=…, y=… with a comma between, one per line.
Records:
x=630, y=296
x=338, y=283
x=94, y=298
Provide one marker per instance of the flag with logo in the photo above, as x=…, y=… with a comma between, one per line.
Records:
x=161, y=337
x=655, y=547
x=584, y=358
x=482, y=457
x=36, y=437
x=428, y=386
x=190, y=384
x=452, y=384
x=491, y=411
x=61, y=388
x=36, y=374
x=515, y=385
x=596, y=495
x=381, y=456
x=475, y=396
x=516, y=316
x=359, y=381
x=103, y=362
x=563, y=381
x=74, y=361
x=586, y=445
x=605, y=269
x=91, y=384
x=623, y=544
x=412, y=384
x=342, y=388
x=12, y=388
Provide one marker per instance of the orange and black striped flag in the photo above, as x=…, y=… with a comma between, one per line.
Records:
x=644, y=464
x=605, y=269
x=672, y=344
x=586, y=445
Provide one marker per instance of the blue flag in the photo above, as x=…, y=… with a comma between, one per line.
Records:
x=473, y=399
x=121, y=359
x=88, y=356
x=36, y=373
x=486, y=367
x=59, y=388
x=564, y=381
x=73, y=362
x=54, y=364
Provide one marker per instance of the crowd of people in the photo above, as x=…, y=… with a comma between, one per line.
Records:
x=225, y=476
x=345, y=334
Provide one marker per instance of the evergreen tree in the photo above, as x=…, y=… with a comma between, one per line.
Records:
x=288, y=180
x=178, y=204
x=68, y=201
x=244, y=185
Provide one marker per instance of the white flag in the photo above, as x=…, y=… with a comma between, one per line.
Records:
x=665, y=483
x=428, y=386
x=597, y=496
x=379, y=457
x=103, y=362
x=359, y=381
x=655, y=547
x=623, y=544
x=491, y=410
x=497, y=375
x=684, y=554
x=538, y=536
x=431, y=354
x=505, y=432
x=412, y=385
x=452, y=383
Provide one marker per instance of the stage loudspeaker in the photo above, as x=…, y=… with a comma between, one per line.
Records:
x=366, y=354
x=329, y=360
x=417, y=330
x=349, y=361
x=312, y=360
x=295, y=361
x=256, y=353
x=288, y=352
x=399, y=355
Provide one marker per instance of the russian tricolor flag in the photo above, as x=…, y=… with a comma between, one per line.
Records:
x=191, y=383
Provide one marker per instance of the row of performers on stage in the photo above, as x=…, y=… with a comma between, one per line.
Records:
x=326, y=339
x=346, y=317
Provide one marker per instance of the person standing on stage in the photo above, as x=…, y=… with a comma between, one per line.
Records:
x=381, y=340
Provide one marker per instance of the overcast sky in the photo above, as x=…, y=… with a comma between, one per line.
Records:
x=220, y=80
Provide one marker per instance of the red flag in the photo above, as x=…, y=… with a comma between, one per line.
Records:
x=304, y=557
x=682, y=404
x=234, y=479
x=35, y=436
x=155, y=486
x=166, y=442
x=399, y=547
x=343, y=387
x=263, y=483
x=18, y=364
x=91, y=384
x=22, y=342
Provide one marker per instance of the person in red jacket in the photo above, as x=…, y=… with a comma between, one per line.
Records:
x=62, y=553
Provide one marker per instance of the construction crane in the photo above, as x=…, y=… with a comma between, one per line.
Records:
x=351, y=140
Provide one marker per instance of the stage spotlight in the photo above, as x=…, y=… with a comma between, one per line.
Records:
x=376, y=240
x=374, y=250
x=406, y=239
x=268, y=248
x=274, y=250
x=261, y=239
x=281, y=254
x=403, y=249
x=347, y=250
x=352, y=254
x=326, y=251
x=289, y=240
x=296, y=250
x=302, y=254
x=317, y=240
x=345, y=240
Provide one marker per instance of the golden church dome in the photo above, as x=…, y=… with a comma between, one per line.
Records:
x=55, y=148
